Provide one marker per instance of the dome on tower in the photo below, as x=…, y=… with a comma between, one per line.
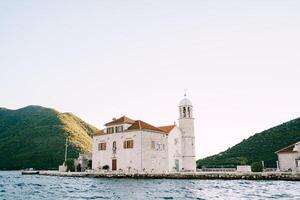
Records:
x=185, y=102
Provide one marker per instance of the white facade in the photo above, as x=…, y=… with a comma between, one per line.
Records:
x=243, y=168
x=289, y=158
x=186, y=125
x=127, y=145
x=175, y=150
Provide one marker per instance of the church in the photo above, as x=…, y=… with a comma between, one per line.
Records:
x=127, y=145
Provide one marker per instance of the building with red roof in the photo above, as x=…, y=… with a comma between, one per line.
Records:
x=128, y=145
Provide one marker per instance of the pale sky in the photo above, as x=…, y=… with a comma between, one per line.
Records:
x=239, y=61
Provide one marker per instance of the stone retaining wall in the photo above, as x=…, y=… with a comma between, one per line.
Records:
x=197, y=175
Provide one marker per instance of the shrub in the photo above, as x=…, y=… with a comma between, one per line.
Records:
x=243, y=161
x=105, y=167
x=257, y=167
x=70, y=165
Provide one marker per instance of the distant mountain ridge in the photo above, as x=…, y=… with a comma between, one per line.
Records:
x=259, y=147
x=34, y=136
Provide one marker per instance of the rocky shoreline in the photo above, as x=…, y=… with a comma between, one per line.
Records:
x=284, y=176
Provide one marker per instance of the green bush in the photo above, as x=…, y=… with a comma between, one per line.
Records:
x=105, y=167
x=257, y=167
x=243, y=161
x=70, y=165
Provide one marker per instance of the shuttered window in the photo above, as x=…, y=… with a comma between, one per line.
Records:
x=102, y=146
x=119, y=129
x=110, y=130
x=128, y=144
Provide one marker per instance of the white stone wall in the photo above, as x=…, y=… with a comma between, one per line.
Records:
x=187, y=126
x=297, y=147
x=188, y=144
x=127, y=159
x=154, y=159
x=174, y=149
x=243, y=168
x=140, y=158
x=287, y=161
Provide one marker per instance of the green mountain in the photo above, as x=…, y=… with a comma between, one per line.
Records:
x=35, y=137
x=259, y=147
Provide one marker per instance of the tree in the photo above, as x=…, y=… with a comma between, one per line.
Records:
x=243, y=161
x=257, y=167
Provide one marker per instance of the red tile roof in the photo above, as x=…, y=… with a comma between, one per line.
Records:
x=140, y=125
x=100, y=132
x=121, y=120
x=167, y=129
x=137, y=125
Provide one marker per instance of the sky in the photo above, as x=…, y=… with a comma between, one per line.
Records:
x=238, y=60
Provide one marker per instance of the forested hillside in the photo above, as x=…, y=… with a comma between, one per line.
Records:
x=35, y=136
x=259, y=147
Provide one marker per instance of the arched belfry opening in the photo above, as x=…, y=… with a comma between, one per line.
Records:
x=185, y=108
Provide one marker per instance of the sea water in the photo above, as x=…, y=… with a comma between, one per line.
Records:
x=13, y=185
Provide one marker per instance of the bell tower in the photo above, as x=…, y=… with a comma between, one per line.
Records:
x=186, y=125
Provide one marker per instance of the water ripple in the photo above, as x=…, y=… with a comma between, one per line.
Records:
x=15, y=186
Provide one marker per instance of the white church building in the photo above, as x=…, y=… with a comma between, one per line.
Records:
x=127, y=145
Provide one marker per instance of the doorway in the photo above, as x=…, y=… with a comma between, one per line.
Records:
x=177, y=165
x=114, y=164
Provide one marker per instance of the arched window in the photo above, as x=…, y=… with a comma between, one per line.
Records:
x=189, y=112
x=184, y=112
x=114, y=145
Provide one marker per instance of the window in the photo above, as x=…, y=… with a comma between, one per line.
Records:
x=157, y=146
x=110, y=130
x=128, y=144
x=152, y=144
x=175, y=141
x=114, y=145
x=184, y=112
x=102, y=146
x=189, y=112
x=119, y=129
